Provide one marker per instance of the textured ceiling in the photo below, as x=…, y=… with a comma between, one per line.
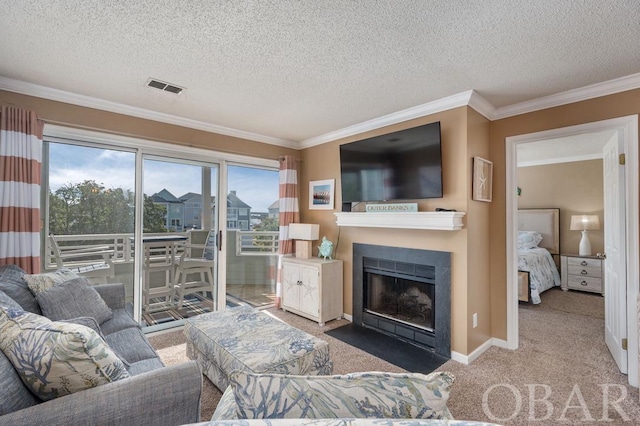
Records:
x=297, y=69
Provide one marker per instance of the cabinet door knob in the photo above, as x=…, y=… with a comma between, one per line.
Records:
x=583, y=272
x=583, y=283
x=583, y=263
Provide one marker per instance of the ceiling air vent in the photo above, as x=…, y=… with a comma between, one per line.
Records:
x=164, y=86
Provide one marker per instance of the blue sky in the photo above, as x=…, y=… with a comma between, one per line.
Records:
x=115, y=169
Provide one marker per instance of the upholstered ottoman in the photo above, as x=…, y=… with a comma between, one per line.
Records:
x=243, y=338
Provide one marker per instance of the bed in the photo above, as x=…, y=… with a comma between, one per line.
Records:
x=538, y=245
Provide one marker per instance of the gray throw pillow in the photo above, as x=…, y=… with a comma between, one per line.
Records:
x=12, y=283
x=72, y=299
x=8, y=302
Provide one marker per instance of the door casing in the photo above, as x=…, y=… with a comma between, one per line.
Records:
x=628, y=126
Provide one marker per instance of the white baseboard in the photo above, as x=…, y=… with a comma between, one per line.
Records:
x=468, y=359
x=347, y=317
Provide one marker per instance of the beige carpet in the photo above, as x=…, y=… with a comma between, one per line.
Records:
x=561, y=352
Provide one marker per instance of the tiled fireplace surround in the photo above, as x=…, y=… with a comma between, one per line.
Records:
x=405, y=262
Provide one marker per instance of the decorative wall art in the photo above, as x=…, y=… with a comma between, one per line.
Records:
x=482, y=179
x=321, y=194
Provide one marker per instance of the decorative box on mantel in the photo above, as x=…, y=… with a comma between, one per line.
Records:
x=440, y=221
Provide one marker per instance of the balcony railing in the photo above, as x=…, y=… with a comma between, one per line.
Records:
x=247, y=243
x=256, y=243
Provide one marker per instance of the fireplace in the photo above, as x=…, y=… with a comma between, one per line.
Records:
x=405, y=293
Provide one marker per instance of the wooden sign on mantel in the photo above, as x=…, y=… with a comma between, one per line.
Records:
x=393, y=207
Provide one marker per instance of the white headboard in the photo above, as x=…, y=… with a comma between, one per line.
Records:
x=544, y=221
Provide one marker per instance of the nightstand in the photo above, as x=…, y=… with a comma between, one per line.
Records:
x=584, y=273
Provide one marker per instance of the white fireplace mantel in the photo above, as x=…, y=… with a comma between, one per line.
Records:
x=440, y=221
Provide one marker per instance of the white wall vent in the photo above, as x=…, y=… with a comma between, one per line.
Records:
x=164, y=86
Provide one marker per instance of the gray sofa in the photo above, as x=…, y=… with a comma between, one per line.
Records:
x=153, y=395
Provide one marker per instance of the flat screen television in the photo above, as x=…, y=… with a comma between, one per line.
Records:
x=403, y=165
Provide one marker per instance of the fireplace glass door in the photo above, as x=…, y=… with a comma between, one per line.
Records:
x=409, y=300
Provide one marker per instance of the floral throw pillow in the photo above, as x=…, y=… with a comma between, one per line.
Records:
x=360, y=395
x=54, y=359
x=42, y=282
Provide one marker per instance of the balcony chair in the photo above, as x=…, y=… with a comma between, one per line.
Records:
x=197, y=258
x=84, y=260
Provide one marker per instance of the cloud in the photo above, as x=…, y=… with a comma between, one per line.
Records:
x=116, y=169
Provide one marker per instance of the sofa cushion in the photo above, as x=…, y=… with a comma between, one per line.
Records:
x=55, y=358
x=42, y=282
x=121, y=320
x=72, y=299
x=144, y=366
x=12, y=283
x=131, y=345
x=371, y=394
x=17, y=394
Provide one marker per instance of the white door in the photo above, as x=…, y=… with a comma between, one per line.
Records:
x=291, y=284
x=615, y=280
x=309, y=298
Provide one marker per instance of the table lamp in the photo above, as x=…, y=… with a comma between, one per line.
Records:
x=585, y=223
x=304, y=234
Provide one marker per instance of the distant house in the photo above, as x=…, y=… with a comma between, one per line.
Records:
x=193, y=210
x=174, y=218
x=238, y=213
x=274, y=210
x=185, y=213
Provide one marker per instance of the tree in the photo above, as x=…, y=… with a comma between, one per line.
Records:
x=90, y=208
x=268, y=224
x=154, y=215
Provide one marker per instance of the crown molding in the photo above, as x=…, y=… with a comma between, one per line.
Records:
x=469, y=98
x=622, y=84
x=444, y=104
x=480, y=104
x=39, y=91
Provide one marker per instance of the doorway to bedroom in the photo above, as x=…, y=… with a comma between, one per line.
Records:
x=525, y=154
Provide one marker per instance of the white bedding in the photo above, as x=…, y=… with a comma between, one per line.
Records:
x=543, y=273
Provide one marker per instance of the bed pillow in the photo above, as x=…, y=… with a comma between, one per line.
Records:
x=72, y=299
x=528, y=240
x=371, y=394
x=54, y=359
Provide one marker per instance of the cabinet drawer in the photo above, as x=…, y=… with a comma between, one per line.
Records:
x=584, y=262
x=585, y=283
x=585, y=271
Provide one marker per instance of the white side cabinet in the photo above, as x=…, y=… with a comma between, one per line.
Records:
x=312, y=288
x=584, y=273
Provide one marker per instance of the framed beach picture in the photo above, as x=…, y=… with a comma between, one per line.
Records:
x=482, y=179
x=321, y=193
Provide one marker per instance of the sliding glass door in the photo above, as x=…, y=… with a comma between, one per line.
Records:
x=186, y=230
x=178, y=244
x=252, y=221
x=89, y=204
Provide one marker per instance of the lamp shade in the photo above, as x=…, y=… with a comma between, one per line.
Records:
x=585, y=222
x=304, y=231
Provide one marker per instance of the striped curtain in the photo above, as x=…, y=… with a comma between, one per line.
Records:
x=289, y=213
x=20, y=165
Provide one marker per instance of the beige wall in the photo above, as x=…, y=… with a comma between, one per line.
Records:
x=603, y=108
x=574, y=188
x=465, y=133
x=92, y=119
x=478, y=244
